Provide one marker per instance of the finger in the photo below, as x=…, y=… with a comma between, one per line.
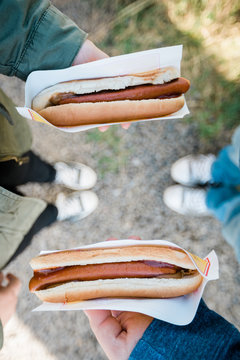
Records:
x=103, y=128
x=103, y=324
x=134, y=323
x=14, y=284
x=97, y=316
x=108, y=331
x=134, y=237
x=126, y=126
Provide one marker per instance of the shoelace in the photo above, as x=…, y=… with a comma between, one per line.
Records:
x=193, y=200
x=200, y=168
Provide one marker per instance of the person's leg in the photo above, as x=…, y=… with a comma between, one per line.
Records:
x=194, y=170
x=73, y=207
x=226, y=168
x=35, y=170
x=46, y=218
x=224, y=203
x=231, y=231
x=234, y=152
x=223, y=170
x=73, y=175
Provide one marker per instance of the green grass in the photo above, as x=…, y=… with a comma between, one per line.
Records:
x=212, y=99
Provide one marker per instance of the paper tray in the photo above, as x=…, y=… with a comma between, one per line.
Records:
x=178, y=311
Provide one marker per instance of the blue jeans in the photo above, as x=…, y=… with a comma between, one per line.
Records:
x=224, y=200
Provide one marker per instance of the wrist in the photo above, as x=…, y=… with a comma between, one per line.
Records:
x=87, y=53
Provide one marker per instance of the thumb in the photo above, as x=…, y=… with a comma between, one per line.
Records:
x=14, y=284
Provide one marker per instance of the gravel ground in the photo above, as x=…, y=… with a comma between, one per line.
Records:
x=130, y=204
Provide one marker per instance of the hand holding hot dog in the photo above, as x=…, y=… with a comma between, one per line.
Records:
x=90, y=52
x=117, y=332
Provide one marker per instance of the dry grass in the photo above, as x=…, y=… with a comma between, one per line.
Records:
x=217, y=24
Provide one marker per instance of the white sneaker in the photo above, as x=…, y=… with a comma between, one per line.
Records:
x=74, y=175
x=76, y=206
x=186, y=201
x=193, y=170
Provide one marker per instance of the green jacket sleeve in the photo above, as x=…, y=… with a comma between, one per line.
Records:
x=34, y=35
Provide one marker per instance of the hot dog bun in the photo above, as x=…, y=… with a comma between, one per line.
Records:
x=166, y=254
x=110, y=112
x=113, y=99
x=158, y=76
x=182, y=278
x=142, y=288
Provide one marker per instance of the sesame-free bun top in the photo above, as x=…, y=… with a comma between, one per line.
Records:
x=85, y=256
x=157, y=76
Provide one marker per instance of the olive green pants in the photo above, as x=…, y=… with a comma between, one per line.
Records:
x=17, y=213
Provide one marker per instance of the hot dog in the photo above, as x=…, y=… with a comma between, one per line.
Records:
x=114, y=99
x=151, y=271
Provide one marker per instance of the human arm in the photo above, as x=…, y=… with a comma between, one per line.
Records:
x=117, y=332
x=135, y=336
x=208, y=336
x=8, y=300
x=128, y=335
x=36, y=36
